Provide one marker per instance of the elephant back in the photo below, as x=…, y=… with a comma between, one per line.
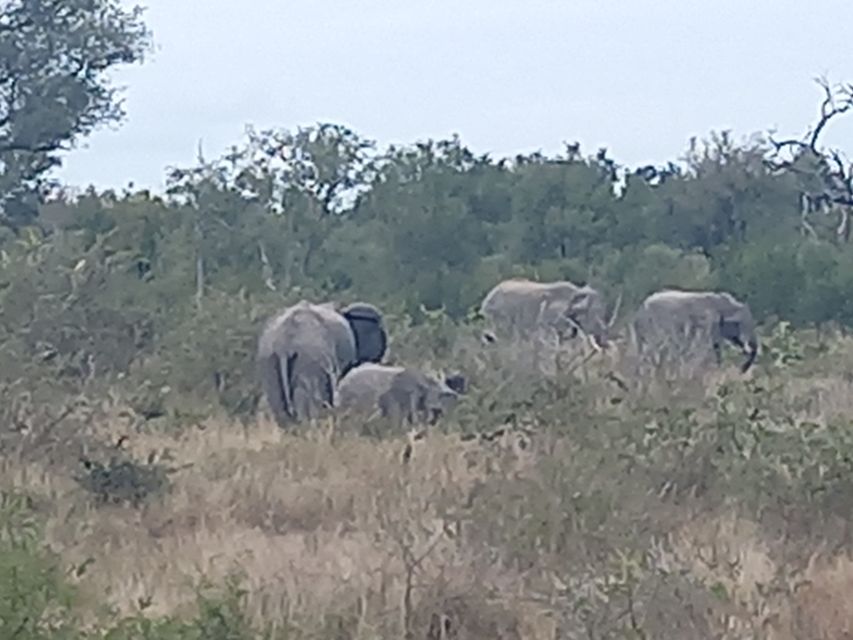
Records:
x=673, y=306
x=520, y=306
x=338, y=335
x=361, y=387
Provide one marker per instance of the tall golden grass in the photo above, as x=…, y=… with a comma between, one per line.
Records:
x=328, y=525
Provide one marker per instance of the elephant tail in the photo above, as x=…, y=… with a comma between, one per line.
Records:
x=278, y=379
x=329, y=389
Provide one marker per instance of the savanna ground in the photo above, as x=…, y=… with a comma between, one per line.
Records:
x=145, y=497
x=716, y=507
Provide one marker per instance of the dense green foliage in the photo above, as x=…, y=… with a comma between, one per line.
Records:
x=174, y=288
x=157, y=301
x=54, y=57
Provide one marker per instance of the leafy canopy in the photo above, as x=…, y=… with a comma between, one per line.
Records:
x=54, y=88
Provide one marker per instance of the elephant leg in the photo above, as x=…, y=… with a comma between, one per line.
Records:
x=329, y=390
x=390, y=409
x=302, y=403
x=271, y=377
x=277, y=376
x=413, y=410
x=718, y=353
x=421, y=407
x=318, y=397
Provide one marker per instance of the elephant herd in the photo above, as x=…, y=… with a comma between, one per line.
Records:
x=315, y=358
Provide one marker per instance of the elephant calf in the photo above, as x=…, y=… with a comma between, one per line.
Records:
x=403, y=394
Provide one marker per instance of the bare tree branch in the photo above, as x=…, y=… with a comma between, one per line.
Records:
x=829, y=109
x=45, y=147
x=829, y=168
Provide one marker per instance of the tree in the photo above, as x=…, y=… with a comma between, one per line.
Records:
x=418, y=212
x=826, y=175
x=281, y=191
x=562, y=206
x=54, y=89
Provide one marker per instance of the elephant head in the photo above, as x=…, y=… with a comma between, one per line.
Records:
x=445, y=395
x=414, y=395
x=584, y=309
x=736, y=324
x=457, y=382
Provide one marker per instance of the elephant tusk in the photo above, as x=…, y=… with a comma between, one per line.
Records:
x=595, y=345
x=615, y=310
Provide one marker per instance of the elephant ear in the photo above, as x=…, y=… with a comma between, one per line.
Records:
x=737, y=325
x=368, y=328
x=581, y=301
x=731, y=323
x=586, y=307
x=457, y=382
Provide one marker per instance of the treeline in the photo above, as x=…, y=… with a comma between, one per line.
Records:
x=178, y=284
x=158, y=300
x=433, y=225
x=436, y=225
x=174, y=287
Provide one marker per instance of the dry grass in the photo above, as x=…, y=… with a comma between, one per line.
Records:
x=316, y=524
x=334, y=524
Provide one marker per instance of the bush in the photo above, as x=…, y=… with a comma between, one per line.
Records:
x=138, y=316
x=123, y=481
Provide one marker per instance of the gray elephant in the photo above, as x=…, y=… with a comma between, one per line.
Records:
x=403, y=394
x=520, y=308
x=674, y=319
x=305, y=349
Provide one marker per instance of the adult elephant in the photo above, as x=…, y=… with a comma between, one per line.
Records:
x=403, y=394
x=673, y=319
x=305, y=349
x=520, y=308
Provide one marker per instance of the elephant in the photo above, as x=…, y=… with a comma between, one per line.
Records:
x=676, y=317
x=519, y=308
x=306, y=348
x=403, y=394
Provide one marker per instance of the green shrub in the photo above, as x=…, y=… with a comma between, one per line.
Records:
x=123, y=481
x=35, y=601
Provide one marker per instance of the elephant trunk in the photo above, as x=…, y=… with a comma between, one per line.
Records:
x=751, y=351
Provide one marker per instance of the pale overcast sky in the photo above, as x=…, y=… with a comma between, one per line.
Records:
x=507, y=76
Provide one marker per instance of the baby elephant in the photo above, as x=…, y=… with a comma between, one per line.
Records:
x=402, y=394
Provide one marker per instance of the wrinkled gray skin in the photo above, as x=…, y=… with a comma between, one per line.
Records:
x=403, y=394
x=304, y=350
x=682, y=316
x=518, y=308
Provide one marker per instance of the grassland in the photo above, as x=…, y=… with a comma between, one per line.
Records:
x=717, y=507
